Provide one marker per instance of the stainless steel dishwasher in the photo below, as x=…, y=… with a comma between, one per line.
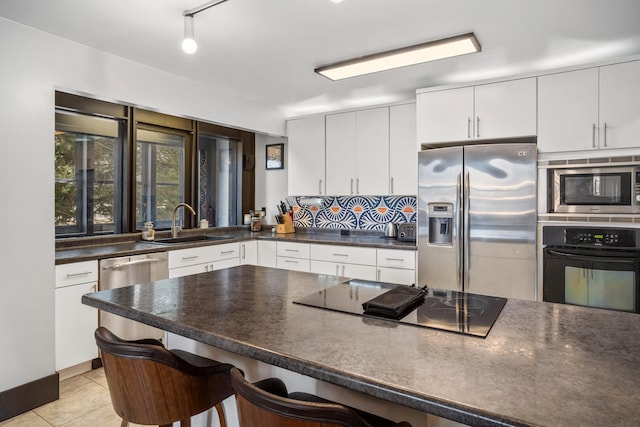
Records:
x=126, y=271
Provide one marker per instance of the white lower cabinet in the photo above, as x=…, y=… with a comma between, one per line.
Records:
x=292, y=256
x=249, y=252
x=75, y=323
x=348, y=261
x=184, y=262
x=267, y=253
x=396, y=266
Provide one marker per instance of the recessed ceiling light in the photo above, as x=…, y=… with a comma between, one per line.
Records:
x=417, y=54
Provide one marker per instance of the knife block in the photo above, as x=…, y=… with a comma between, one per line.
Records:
x=287, y=227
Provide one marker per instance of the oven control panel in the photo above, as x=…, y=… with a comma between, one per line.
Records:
x=608, y=237
x=591, y=237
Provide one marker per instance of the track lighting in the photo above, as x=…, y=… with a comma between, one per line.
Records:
x=189, y=44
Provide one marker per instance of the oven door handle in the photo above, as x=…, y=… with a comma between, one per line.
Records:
x=588, y=258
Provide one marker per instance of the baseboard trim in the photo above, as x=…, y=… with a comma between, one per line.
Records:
x=29, y=396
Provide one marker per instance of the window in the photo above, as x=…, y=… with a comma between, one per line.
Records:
x=117, y=167
x=219, y=180
x=160, y=176
x=88, y=164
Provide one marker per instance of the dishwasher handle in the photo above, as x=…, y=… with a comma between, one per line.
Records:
x=134, y=262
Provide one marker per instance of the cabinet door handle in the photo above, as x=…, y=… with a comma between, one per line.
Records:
x=391, y=185
x=478, y=127
x=337, y=266
x=84, y=273
x=605, y=134
x=357, y=185
x=351, y=188
x=468, y=127
x=320, y=187
x=378, y=275
x=593, y=136
x=343, y=270
x=243, y=252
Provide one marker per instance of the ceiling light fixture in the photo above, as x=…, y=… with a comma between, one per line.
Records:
x=412, y=55
x=189, y=44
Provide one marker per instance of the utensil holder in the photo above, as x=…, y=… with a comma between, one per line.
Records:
x=287, y=227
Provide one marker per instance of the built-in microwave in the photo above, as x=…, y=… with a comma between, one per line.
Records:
x=606, y=189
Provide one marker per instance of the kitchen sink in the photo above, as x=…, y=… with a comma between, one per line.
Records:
x=190, y=239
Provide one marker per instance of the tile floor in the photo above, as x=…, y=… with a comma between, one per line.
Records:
x=84, y=402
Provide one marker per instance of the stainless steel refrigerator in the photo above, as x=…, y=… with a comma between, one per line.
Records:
x=477, y=219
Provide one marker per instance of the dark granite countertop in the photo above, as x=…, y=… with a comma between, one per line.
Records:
x=542, y=364
x=87, y=249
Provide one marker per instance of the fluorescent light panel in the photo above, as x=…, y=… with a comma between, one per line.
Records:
x=430, y=51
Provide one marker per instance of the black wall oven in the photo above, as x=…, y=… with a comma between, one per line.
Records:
x=592, y=266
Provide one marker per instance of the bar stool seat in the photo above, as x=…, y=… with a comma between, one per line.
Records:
x=151, y=385
x=267, y=403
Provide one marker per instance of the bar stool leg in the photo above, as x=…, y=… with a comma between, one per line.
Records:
x=221, y=415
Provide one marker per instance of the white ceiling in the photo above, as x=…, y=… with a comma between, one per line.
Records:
x=266, y=50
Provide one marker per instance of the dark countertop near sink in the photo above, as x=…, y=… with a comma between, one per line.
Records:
x=87, y=249
x=542, y=364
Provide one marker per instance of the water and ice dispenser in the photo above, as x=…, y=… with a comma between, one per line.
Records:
x=440, y=223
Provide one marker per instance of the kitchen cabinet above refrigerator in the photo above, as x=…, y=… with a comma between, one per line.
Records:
x=487, y=111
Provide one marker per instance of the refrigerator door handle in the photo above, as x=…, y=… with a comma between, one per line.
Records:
x=458, y=231
x=467, y=239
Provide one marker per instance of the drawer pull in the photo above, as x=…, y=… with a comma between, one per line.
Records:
x=188, y=258
x=340, y=254
x=394, y=259
x=290, y=261
x=226, y=252
x=84, y=273
x=292, y=250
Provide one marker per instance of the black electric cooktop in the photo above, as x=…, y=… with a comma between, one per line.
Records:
x=461, y=312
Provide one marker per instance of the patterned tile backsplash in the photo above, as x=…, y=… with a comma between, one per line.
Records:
x=354, y=212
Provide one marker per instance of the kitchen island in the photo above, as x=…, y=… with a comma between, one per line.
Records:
x=541, y=365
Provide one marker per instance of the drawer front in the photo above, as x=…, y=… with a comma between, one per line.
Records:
x=296, y=264
x=293, y=250
x=344, y=254
x=76, y=273
x=191, y=256
x=393, y=258
x=226, y=251
x=396, y=275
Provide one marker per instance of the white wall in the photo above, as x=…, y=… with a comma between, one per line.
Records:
x=34, y=64
x=271, y=185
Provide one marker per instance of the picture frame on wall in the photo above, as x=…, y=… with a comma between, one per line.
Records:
x=275, y=156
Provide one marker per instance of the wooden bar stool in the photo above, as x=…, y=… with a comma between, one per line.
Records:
x=152, y=385
x=267, y=403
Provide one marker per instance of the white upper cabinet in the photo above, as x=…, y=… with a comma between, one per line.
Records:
x=594, y=108
x=445, y=115
x=568, y=111
x=505, y=109
x=306, y=169
x=403, y=151
x=488, y=111
x=357, y=150
x=372, y=151
x=620, y=105
x=341, y=153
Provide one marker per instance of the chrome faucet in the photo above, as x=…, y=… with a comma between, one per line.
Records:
x=174, y=230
